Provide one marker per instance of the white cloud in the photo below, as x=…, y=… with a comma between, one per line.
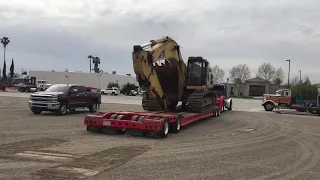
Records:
x=227, y=32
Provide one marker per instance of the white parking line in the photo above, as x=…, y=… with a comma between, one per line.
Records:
x=86, y=172
x=45, y=155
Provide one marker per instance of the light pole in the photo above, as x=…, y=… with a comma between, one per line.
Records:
x=99, y=76
x=289, y=73
x=300, y=75
x=66, y=76
x=227, y=87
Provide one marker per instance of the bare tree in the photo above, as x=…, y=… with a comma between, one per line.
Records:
x=266, y=71
x=278, y=76
x=295, y=81
x=239, y=74
x=217, y=74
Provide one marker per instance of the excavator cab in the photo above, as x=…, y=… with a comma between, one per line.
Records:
x=197, y=73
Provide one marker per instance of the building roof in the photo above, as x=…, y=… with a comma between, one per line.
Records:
x=257, y=79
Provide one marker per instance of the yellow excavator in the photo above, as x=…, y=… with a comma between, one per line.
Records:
x=167, y=80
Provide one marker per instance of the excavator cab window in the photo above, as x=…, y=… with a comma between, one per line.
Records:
x=197, y=71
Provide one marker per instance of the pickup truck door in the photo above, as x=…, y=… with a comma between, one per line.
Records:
x=77, y=98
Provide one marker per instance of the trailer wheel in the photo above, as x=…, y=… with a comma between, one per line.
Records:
x=165, y=129
x=120, y=131
x=223, y=106
x=230, y=108
x=175, y=126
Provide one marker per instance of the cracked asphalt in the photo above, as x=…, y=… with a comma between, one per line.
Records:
x=240, y=144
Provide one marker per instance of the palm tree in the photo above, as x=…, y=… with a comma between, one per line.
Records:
x=5, y=41
x=90, y=57
x=96, y=61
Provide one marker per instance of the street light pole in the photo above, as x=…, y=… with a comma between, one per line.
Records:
x=300, y=75
x=99, y=77
x=289, y=73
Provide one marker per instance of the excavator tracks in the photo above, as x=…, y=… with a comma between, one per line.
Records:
x=199, y=102
x=149, y=104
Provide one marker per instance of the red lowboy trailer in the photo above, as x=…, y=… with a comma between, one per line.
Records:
x=156, y=123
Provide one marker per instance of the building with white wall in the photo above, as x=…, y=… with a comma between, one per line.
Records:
x=86, y=79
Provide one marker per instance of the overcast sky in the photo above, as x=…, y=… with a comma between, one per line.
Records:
x=60, y=34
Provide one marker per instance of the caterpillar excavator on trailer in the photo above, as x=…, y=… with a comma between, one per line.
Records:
x=171, y=81
x=166, y=80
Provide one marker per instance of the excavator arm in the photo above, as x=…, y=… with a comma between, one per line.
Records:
x=153, y=77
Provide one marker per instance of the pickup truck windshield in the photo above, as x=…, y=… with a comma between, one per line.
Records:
x=54, y=88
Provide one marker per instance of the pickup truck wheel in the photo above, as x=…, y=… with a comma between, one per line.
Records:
x=103, y=93
x=93, y=108
x=113, y=93
x=36, y=111
x=62, y=109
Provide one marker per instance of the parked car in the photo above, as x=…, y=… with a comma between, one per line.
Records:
x=132, y=93
x=3, y=87
x=62, y=97
x=113, y=91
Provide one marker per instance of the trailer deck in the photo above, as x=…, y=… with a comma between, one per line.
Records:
x=159, y=123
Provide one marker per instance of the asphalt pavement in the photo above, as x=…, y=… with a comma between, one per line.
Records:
x=236, y=145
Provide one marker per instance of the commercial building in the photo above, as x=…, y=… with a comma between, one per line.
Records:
x=253, y=87
x=87, y=79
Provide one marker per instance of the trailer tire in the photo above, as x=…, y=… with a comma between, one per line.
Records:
x=120, y=131
x=230, y=108
x=165, y=129
x=223, y=107
x=175, y=126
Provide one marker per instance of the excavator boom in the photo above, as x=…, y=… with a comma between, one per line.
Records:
x=160, y=71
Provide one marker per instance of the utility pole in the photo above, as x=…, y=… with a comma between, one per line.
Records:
x=300, y=76
x=289, y=73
